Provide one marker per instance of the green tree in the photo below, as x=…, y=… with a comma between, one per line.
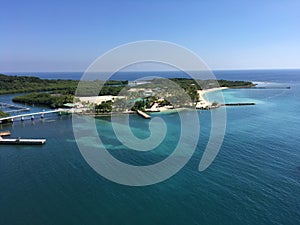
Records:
x=120, y=105
x=139, y=105
x=3, y=114
x=104, y=107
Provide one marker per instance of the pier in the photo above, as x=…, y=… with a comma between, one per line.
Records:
x=20, y=141
x=31, y=116
x=145, y=115
x=272, y=87
x=239, y=104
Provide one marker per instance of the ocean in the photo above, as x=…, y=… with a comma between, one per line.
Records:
x=287, y=75
x=255, y=178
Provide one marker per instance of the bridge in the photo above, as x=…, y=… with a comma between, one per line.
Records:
x=22, y=117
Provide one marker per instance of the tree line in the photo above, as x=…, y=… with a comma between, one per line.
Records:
x=50, y=100
x=22, y=84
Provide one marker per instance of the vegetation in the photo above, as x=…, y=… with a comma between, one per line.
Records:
x=51, y=100
x=62, y=91
x=176, y=86
x=3, y=114
x=206, y=84
x=139, y=105
x=215, y=104
x=180, y=92
x=164, y=103
x=120, y=105
x=150, y=101
x=104, y=107
x=116, y=82
x=186, y=83
x=235, y=84
x=19, y=84
x=92, y=89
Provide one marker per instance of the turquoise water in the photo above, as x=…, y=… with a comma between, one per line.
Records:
x=255, y=179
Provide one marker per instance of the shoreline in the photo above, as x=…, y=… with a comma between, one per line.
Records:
x=203, y=103
x=132, y=112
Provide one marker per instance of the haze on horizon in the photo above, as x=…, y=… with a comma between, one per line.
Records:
x=69, y=36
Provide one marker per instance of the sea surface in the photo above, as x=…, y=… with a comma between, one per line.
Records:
x=255, y=178
x=288, y=75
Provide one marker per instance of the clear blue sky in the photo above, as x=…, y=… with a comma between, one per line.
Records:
x=68, y=35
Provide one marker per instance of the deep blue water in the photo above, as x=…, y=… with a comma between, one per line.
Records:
x=255, y=179
x=288, y=75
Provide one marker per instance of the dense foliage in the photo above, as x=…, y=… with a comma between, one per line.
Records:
x=235, y=84
x=89, y=88
x=139, y=105
x=3, y=114
x=178, y=85
x=186, y=83
x=104, y=107
x=18, y=84
x=120, y=105
x=205, y=84
x=51, y=100
x=176, y=91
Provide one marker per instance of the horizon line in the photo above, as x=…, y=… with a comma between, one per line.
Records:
x=141, y=71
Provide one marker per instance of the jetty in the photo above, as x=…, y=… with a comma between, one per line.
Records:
x=145, y=115
x=20, y=141
x=272, y=87
x=22, y=117
x=239, y=104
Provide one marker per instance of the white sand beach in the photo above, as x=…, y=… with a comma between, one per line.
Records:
x=99, y=99
x=203, y=103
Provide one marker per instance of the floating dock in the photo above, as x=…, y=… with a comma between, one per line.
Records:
x=20, y=141
x=145, y=115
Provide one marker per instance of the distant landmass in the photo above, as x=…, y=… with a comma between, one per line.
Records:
x=57, y=93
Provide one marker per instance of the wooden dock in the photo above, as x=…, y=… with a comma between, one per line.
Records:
x=145, y=115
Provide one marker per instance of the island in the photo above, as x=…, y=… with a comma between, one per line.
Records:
x=122, y=96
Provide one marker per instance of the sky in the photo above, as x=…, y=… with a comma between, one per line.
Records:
x=41, y=36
